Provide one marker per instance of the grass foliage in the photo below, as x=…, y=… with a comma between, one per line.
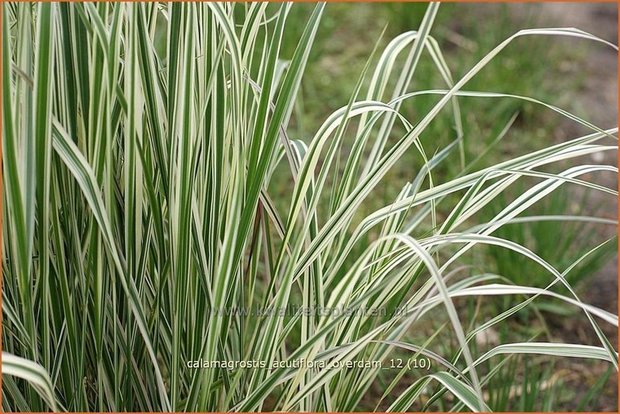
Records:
x=139, y=142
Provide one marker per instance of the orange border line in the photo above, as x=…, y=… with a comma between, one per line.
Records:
x=617, y=204
x=1, y=198
x=315, y=1
x=312, y=1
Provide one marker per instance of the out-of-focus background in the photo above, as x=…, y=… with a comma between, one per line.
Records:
x=577, y=75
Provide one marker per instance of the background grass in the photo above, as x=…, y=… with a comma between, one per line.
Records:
x=530, y=68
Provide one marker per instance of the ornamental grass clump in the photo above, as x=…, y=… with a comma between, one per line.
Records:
x=147, y=265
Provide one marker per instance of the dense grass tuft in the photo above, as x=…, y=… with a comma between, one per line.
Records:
x=144, y=252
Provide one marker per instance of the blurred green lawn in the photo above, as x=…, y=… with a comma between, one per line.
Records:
x=546, y=68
